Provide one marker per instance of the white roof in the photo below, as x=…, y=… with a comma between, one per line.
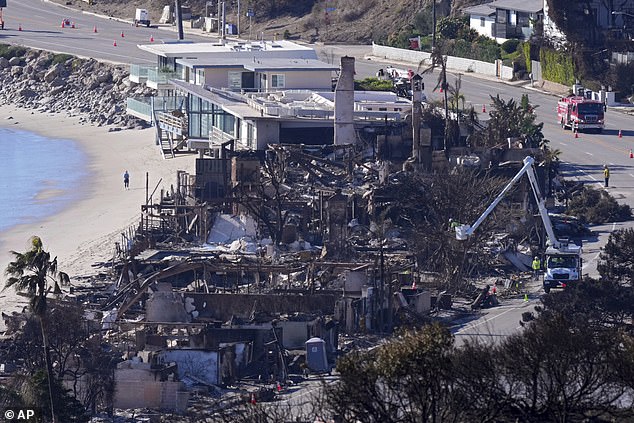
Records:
x=261, y=64
x=530, y=6
x=189, y=49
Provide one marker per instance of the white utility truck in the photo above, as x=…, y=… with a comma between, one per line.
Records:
x=142, y=17
x=562, y=262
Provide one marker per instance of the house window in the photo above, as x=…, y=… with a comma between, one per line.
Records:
x=235, y=80
x=482, y=22
x=200, y=76
x=250, y=135
x=277, y=80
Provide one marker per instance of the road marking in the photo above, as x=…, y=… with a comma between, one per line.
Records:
x=589, y=154
x=487, y=320
x=563, y=143
x=596, y=256
x=631, y=175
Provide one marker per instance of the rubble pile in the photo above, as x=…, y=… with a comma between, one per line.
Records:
x=55, y=83
x=238, y=294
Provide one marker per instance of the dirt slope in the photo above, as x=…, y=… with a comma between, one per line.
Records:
x=344, y=21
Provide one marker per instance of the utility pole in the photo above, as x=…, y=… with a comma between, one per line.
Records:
x=433, y=30
x=238, y=23
x=179, y=20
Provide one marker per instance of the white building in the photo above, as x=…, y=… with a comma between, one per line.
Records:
x=252, y=94
x=505, y=19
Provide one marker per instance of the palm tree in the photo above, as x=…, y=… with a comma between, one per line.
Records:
x=33, y=272
x=439, y=60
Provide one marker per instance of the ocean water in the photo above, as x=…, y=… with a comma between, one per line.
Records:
x=39, y=176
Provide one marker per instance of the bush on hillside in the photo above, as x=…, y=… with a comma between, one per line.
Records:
x=510, y=46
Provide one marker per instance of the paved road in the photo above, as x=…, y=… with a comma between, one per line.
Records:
x=41, y=28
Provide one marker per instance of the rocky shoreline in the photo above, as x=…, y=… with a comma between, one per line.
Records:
x=56, y=83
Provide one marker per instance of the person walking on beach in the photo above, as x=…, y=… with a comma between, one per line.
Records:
x=126, y=180
x=606, y=175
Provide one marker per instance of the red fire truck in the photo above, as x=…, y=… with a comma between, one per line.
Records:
x=579, y=113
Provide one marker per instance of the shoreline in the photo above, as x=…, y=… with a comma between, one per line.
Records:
x=83, y=232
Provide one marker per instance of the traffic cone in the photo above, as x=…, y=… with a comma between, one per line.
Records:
x=279, y=387
x=94, y=29
x=253, y=401
x=414, y=285
x=620, y=134
x=20, y=27
x=484, y=108
x=631, y=155
x=72, y=25
x=122, y=36
x=63, y=25
x=441, y=89
x=114, y=44
x=526, y=297
x=576, y=134
x=151, y=38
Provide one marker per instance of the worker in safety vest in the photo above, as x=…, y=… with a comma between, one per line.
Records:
x=537, y=265
x=453, y=224
x=606, y=175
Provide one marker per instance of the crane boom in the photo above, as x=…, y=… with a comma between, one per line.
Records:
x=465, y=231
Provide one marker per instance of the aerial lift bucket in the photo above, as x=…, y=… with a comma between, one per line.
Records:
x=461, y=232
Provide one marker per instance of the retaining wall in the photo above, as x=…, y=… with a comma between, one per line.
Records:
x=460, y=64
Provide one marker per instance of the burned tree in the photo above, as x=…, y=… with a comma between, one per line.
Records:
x=266, y=198
x=424, y=204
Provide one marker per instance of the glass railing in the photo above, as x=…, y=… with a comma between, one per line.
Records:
x=140, y=72
x=144, y=107
x=160, y=77
x=140, y=107
x=169, y=103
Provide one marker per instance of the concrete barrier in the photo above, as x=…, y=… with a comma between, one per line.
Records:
x=422, y=59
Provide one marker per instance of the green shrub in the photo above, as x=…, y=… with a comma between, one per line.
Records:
x=61, y=58
x=510, y=46
x=373, y=84
x=8, y=51
x=526, y=47
x=557, y=66
x=487, y=52
x=287, y=34
x=449, y=28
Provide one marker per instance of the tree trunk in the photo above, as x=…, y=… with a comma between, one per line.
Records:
x=49, y=368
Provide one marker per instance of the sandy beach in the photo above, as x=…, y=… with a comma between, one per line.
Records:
x=84, y=232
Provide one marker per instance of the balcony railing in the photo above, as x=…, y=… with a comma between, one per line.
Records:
x=144, y=107
x=157, y=77
x=138, y=73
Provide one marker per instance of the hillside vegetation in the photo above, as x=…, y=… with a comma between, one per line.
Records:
x=345, y=21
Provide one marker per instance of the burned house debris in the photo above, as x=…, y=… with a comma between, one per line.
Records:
x=270, y=263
